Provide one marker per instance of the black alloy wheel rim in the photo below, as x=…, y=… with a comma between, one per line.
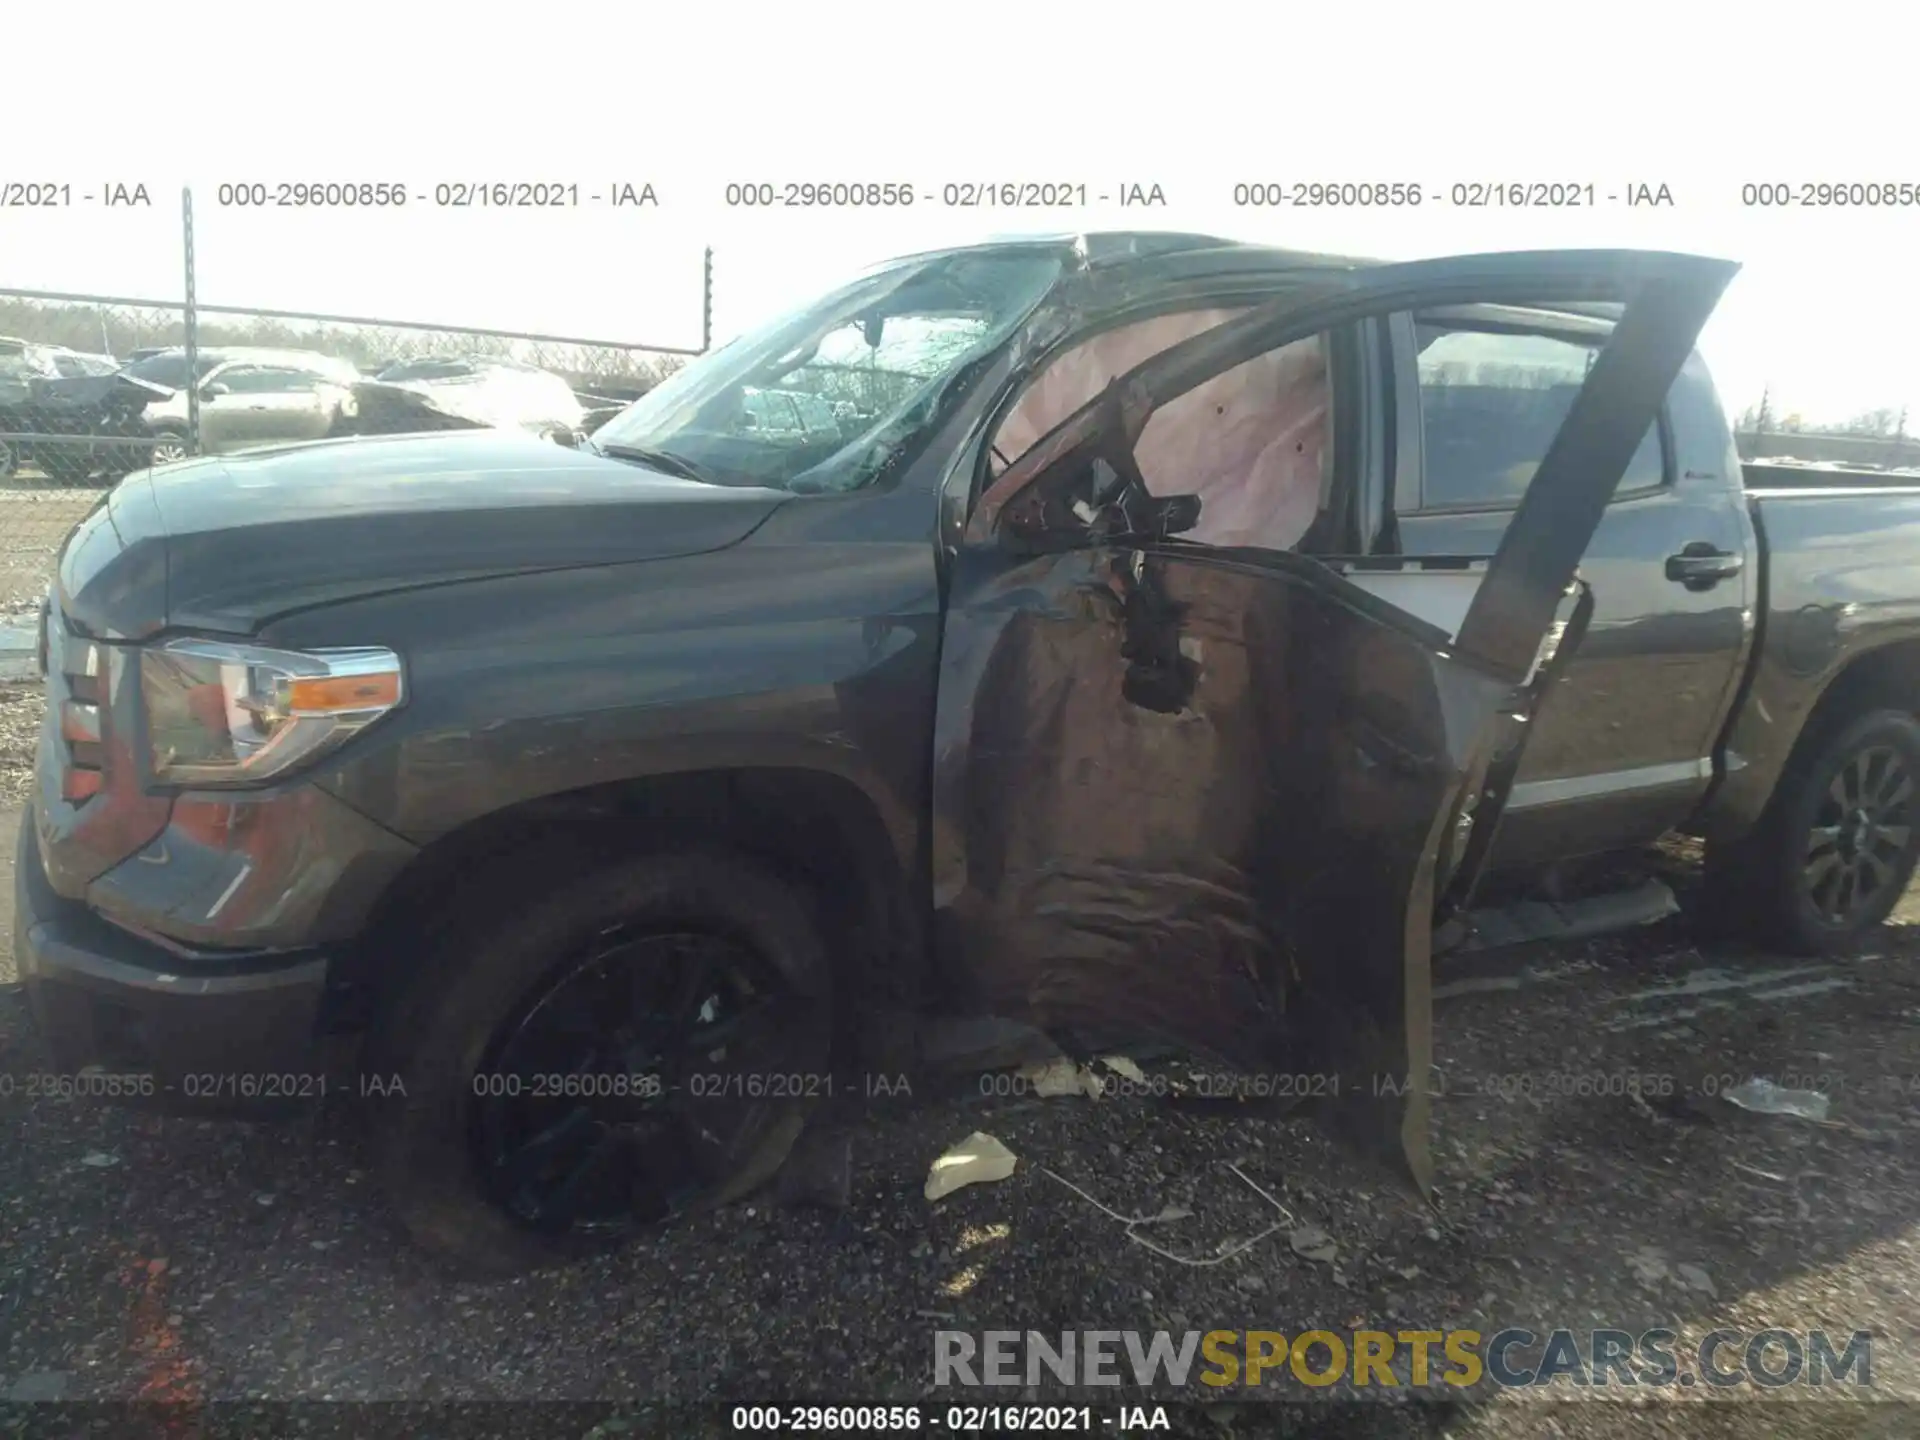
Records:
x=1860, y=834
x=610, y=1100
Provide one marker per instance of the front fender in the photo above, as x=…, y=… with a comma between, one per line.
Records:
x=527, y=687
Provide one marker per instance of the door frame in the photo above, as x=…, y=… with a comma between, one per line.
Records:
x=1457, y=689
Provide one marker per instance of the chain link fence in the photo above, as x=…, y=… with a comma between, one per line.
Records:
x=94, y=387
x=39, y=502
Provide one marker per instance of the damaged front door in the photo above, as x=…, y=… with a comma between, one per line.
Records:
x=1215, y=795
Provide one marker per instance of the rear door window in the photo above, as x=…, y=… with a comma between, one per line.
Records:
x=1491, y=401
x=245, y=379
x=277, y=380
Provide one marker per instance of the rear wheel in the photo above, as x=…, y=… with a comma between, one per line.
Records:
x=1837, y=846
x=637, y=1045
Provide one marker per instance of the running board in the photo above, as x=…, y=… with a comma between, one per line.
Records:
x=1533, y=920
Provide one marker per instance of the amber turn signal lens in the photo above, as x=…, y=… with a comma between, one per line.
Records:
x=332, y=694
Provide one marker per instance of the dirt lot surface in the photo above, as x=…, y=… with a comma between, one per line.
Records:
x=190, y=1261
x=35, y=516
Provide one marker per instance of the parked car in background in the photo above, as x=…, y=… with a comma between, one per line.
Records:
x=788, y=417
x=81, y=425
x=467, y=393
x=252, y=397
x=169, y=367
x=33, y=359
x=23, y=363
x=249, y=396
x=78, y=362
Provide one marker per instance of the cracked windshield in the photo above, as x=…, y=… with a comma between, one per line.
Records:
x=831, y=398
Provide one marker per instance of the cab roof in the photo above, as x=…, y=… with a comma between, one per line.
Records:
x=1194, y=253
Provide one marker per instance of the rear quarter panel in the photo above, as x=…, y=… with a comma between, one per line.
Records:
x=1841, y=580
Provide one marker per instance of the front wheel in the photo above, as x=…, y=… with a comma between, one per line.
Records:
x=1837, y=846
x=639, y=1044
x=168, y=448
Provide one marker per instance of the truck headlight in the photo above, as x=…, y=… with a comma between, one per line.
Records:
x=221, y=715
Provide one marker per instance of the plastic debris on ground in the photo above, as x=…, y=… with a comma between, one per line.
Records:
x=1062, y=1076
x=1059, y=1077
x=1763, y=1097
x=976, y=1160
x=1312, y=1243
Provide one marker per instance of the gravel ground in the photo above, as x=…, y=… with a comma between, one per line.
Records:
x=172, y=1260
x=21, y=704
x=35, y=516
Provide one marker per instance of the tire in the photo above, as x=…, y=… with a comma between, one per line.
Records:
x=447, y=1140
x=1835, y=850
x=169, y=447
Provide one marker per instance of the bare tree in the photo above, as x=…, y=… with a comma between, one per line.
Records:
x=1882, y=423
x=1757, y=418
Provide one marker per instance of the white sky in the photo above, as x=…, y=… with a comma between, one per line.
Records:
x=1196, y=99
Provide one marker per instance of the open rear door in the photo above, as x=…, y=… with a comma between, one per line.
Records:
x=1220, y=797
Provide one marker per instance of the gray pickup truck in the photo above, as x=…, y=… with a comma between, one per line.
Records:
x=1169, y=640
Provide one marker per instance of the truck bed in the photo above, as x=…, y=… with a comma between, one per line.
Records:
x=1765, y=475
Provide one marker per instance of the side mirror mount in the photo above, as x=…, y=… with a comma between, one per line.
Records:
x=215, y=389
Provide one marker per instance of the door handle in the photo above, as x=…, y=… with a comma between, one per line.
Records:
x=1702, y=565
x=257, y=407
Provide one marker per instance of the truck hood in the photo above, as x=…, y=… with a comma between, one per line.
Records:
x=492, y=401
x=229, y=544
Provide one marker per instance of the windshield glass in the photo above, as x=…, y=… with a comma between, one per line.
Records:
x=169, y=368
x=827, y=398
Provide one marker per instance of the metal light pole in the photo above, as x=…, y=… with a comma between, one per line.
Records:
x=193, y=325
x=706, y=301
